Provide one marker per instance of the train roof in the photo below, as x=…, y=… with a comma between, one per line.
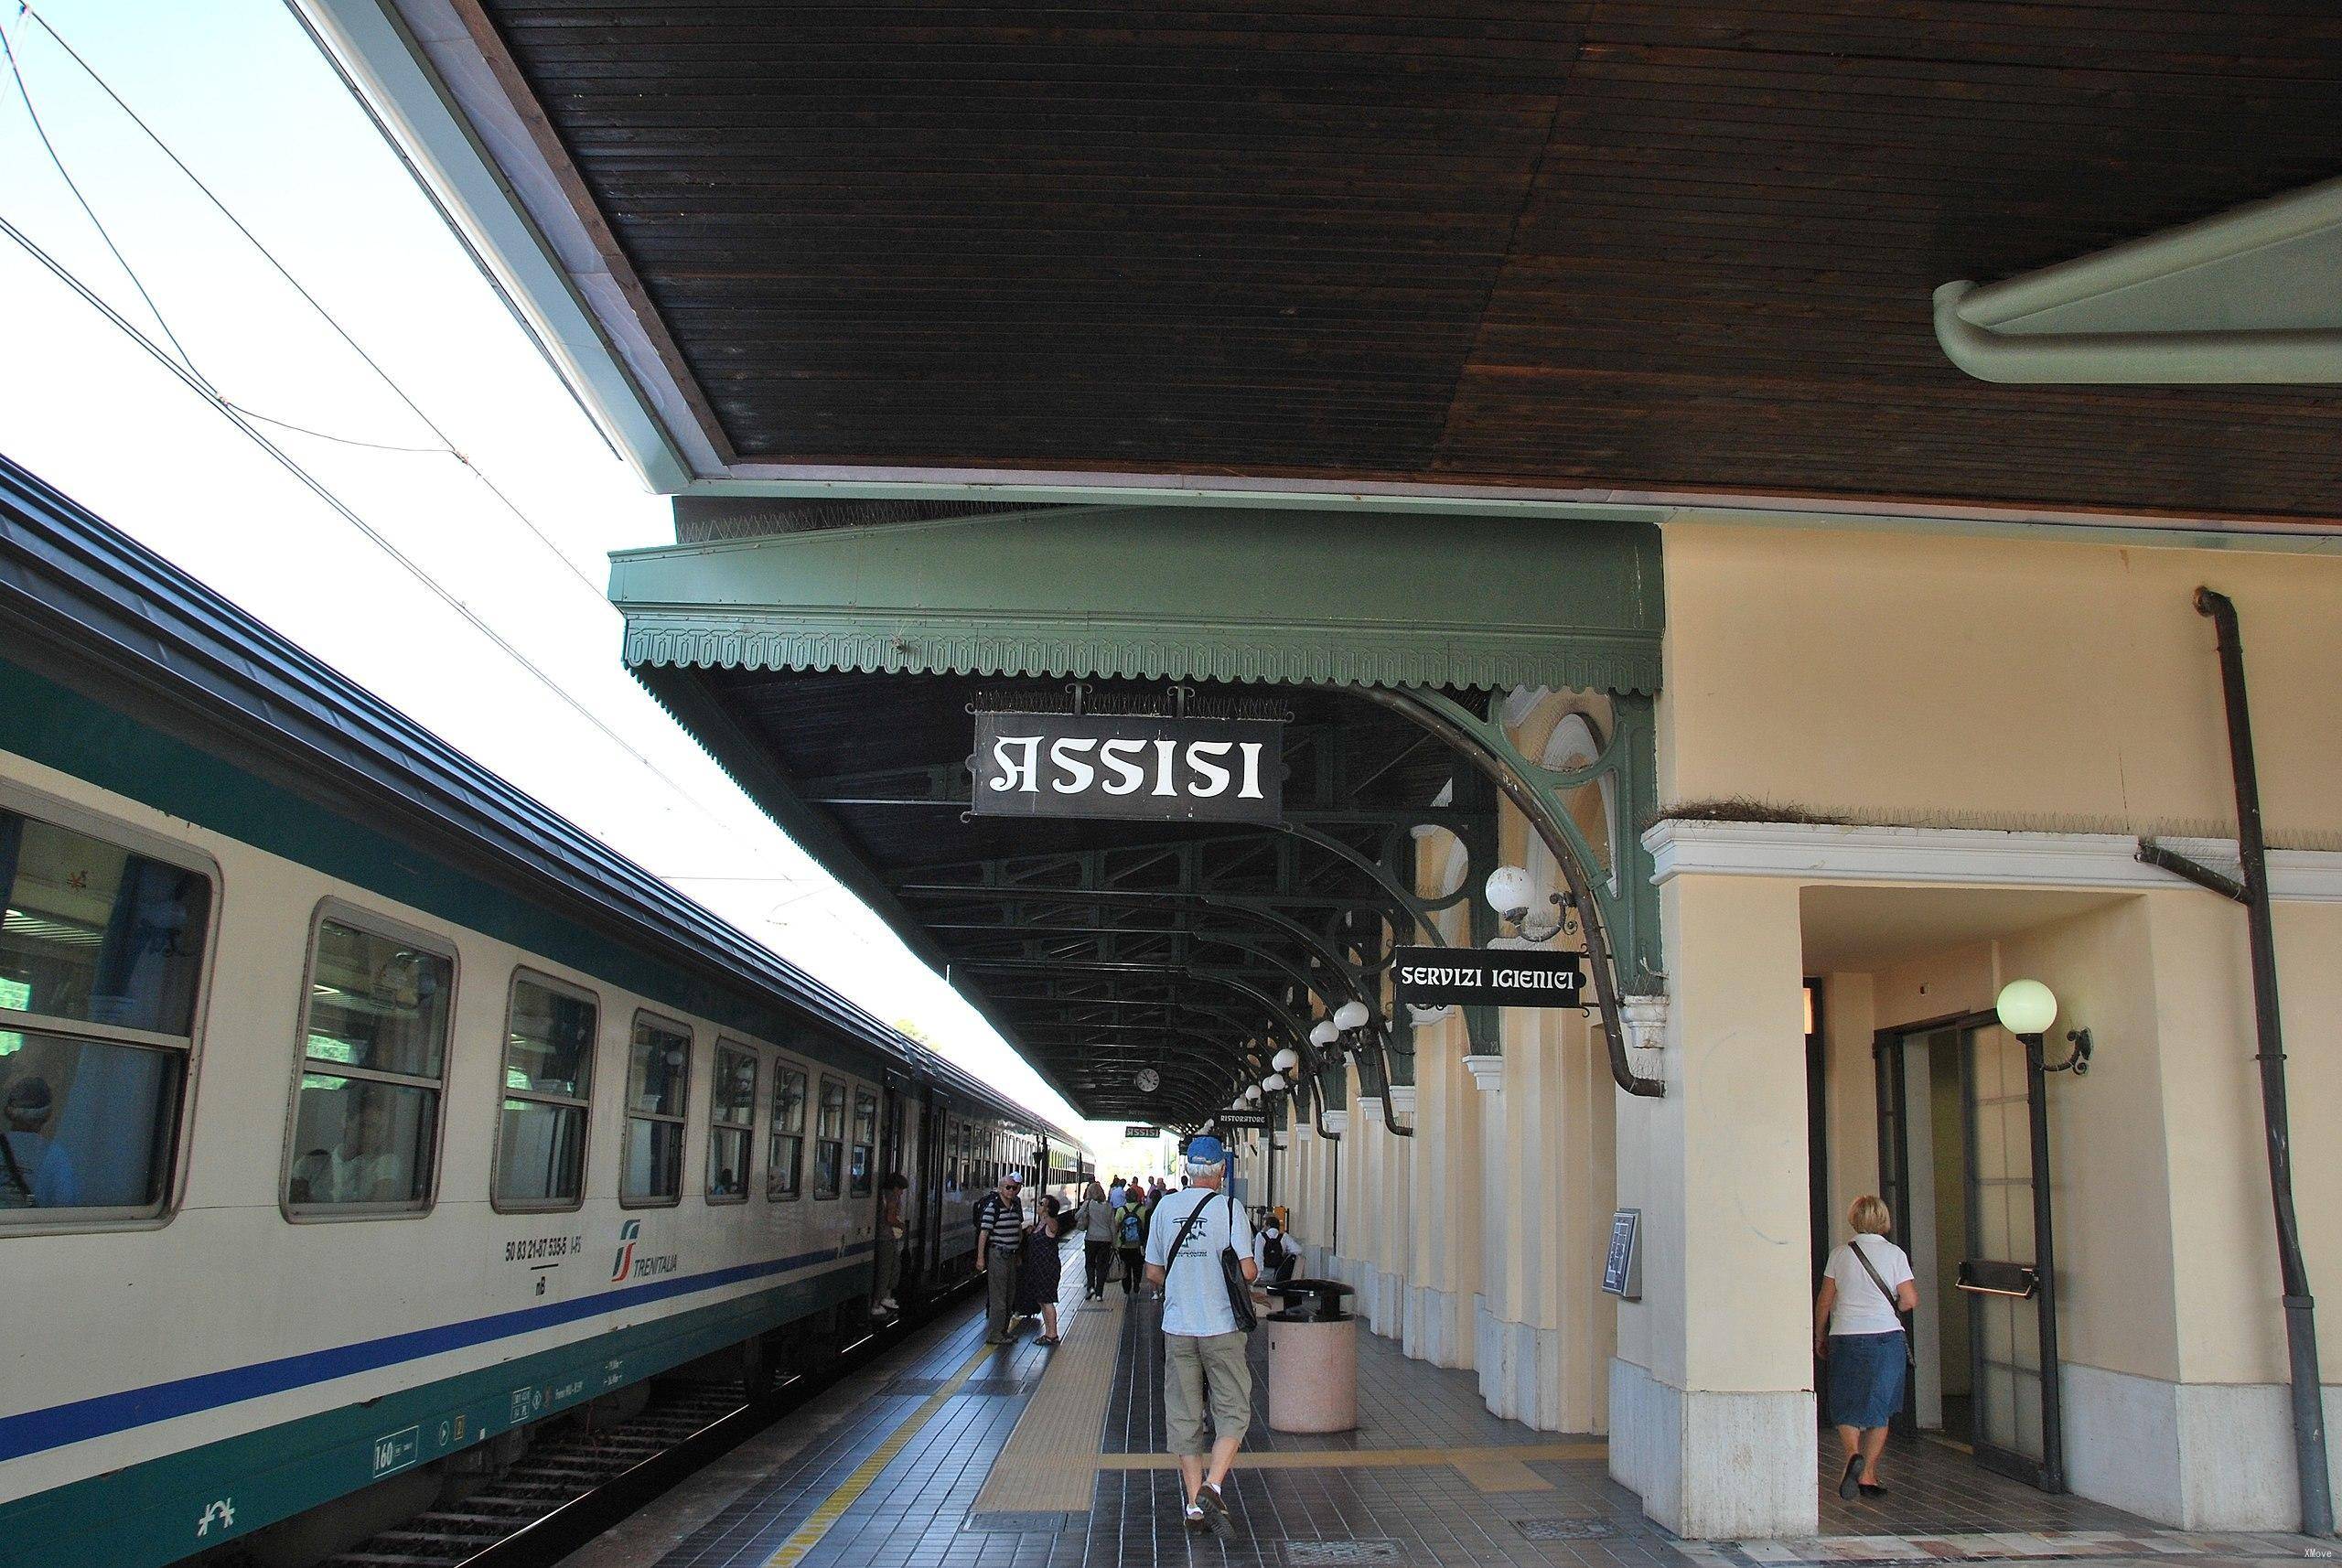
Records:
x=92, y=609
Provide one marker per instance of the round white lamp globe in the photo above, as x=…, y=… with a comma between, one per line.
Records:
x=2026, y=1007
x=1350, y=1014
x=1326, y=1033
x=1286, y=1061
x=1509, y=892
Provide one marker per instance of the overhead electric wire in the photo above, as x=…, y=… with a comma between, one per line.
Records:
x=185, y=371
x=317, y=488
x=446, y=444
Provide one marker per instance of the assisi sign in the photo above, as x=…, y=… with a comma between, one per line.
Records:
x=1130, y=767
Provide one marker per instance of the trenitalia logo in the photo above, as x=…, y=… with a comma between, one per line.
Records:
x=628, y=1233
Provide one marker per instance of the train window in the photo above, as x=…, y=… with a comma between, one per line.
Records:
x=828, y=1139
x=866, y=1142
x=549, y=1039
x=374, y=1034
x=657, y=1072
x=100, y=948
x=785, y=1161
x=732, y=1123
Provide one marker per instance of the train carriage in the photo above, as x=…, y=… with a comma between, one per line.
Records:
x=358, y=1110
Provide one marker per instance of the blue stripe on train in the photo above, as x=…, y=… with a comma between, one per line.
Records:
x=38, y=1429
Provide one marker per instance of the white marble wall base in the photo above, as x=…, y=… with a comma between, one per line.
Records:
x=1432, y=1328
x=1520, y=1368
x=1714, y=1465
x=2197, y=1456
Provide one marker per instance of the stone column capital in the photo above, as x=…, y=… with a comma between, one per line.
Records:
x=1403, y=1098
x=1644, y=1021
x=1337, y=1122
x=1369, y=1107
x=1488, y=1073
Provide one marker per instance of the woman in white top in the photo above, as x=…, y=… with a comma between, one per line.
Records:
x=1858, y=1328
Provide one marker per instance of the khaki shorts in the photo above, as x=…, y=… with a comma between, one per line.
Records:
x=1193, y=1365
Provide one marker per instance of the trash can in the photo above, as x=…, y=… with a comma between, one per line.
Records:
x=1313, y=1357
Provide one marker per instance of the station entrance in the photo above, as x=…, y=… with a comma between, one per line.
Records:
x=1962, y=1110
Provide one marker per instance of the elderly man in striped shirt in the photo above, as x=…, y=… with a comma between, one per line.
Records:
x=1000, y=1236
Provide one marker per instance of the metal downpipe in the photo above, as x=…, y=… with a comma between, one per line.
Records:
x=2301, y=1315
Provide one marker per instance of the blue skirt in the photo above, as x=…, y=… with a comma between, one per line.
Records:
x=1866, y=1378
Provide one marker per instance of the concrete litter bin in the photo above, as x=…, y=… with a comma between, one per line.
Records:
x=1313, y=1357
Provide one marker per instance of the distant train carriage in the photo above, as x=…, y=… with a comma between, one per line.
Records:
x=357, y=1109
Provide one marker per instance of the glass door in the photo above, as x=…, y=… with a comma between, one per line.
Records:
x=1963, y=1128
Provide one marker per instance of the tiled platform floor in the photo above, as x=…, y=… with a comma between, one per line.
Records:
x=883, y=1472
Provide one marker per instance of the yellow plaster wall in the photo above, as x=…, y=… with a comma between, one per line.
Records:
x=1907, y=676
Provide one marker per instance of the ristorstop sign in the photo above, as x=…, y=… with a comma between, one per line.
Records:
x=1488, y=977
x=1129, y=767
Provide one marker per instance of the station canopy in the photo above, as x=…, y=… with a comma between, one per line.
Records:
x=840, y=674
x=1379, y=339
x=1684, y=251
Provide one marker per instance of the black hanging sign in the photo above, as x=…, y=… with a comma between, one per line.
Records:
x=1131, y=768
x=1237, y=1120
x=1483, y=977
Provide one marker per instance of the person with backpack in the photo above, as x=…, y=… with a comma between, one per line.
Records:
x=1200, y=1254
x=1000, y=1240
x=1275, y=1251
x=1130, y=1237
x=1858, y=1328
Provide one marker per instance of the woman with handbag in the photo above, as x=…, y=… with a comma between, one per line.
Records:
x=1037, y=1286
x=1858, y=1326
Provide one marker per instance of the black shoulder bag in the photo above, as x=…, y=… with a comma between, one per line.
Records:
x=1910, y=1351
x=1231, y=1270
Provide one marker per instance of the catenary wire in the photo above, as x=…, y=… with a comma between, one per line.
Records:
x=446, y=444
x=317, y=488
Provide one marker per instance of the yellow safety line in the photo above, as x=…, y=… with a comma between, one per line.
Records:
x=1364, y=1458
x=817, y=1524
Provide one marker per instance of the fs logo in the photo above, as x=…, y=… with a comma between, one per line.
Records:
x=628, y=1233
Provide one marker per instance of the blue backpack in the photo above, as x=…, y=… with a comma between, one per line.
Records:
x=1132, y=1221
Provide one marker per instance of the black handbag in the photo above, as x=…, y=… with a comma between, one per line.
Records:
x=1232, y=1269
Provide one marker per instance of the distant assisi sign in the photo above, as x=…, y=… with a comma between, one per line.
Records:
x=1476, y=977
x=1133, y=768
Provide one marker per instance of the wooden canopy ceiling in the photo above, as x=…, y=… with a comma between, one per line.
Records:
x=1641, y=245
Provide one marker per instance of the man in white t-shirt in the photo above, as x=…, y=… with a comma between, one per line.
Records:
x=1203, y=1348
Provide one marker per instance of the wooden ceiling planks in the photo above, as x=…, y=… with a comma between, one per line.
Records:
x=1643, y=245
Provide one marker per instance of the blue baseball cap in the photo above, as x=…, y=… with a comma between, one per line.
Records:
x=1206, y=1151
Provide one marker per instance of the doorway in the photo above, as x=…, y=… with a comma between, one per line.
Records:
x=1962, y=1129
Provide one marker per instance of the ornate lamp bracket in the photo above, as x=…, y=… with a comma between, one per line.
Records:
x=1618, y=914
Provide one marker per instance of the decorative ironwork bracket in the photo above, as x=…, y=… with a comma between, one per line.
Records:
x=1624, y=907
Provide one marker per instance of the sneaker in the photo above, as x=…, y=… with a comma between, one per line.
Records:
x=1215, y=1513
x=1195, y=1517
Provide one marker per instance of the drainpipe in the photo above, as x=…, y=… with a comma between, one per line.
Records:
x=1983, y=330
x=2253, y=892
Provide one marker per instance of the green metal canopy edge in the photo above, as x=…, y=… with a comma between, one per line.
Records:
x=1201, y=593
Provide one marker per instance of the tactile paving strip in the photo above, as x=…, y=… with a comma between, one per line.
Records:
x=1049, y=1465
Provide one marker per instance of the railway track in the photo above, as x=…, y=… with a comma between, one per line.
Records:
x=564, y=1492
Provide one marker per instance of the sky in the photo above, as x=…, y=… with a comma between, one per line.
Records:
x=238, y=91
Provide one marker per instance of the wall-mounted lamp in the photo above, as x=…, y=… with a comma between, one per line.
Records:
x=1272, y=1084
x=2026, y=1008
x=1350, y=1014
x=1513, y=895
x=1286, y=1061
x=1324, y=1034
x=1251, y=1092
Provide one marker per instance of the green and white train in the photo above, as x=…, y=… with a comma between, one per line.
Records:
x=356, y=1111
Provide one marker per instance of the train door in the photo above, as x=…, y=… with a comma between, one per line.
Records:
x=897, y=1281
